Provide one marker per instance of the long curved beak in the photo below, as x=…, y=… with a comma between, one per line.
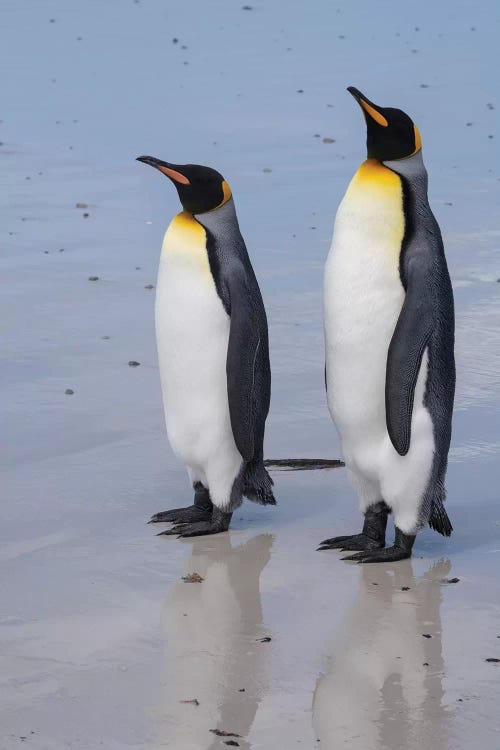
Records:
x=170, y=170
x=368, y=107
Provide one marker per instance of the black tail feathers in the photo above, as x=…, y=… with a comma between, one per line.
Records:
x=258, y=485
x=302, y=464
x=439, y=520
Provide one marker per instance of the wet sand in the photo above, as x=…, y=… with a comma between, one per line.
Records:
x=102, y=642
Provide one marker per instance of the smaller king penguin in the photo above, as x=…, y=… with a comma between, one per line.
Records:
x=213, y=352
x=389, y=330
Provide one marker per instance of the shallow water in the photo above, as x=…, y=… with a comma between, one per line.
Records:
x=101, y=639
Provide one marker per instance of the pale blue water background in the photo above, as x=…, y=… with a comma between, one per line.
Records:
x=83, y=581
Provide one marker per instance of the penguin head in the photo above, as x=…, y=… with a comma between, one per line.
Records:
x=200, y=189
x=391, y=134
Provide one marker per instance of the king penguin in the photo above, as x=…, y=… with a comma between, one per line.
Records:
x=213, y=352
x=389, y=331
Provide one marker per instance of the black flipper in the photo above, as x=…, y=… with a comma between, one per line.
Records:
x=411, y=335
x=242, y=358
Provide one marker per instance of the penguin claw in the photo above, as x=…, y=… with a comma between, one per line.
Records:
x=354, y=543
x=182, y=515
x=388, y=554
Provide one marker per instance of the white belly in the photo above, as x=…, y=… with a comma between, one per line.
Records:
x=192, y=330
x=363, y=298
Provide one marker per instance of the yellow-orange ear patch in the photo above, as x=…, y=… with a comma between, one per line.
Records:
x=380, y=119
x=175, y=176
x=418, y=139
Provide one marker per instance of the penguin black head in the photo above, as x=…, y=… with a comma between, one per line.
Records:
x=391, y=134
x=200, y=189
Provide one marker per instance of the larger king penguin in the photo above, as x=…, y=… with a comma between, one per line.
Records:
x=389, y=326
x=213, y=352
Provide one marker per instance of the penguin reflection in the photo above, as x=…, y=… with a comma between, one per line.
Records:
x=382, y=689
x=213, y=654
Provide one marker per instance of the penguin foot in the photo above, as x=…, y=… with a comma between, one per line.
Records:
x=201, y=510
x=182, y=515
x=371, y=538
x=400, y=550
x=351, y=543
x=218, y=522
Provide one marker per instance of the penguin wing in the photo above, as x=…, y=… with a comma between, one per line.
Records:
x=408, y=343
x=247, y=364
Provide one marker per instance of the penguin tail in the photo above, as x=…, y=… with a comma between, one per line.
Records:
x=439, y=520
x=302, y=464
x=257, y=484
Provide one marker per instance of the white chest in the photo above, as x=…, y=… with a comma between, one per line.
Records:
x=192, y=330
x=363, y=297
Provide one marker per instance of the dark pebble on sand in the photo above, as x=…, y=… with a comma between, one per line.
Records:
x=405, y=588
x=175, y=40
x=328, y=140
x=300, y=91
x=69, y=391
x=427, y=635
x=149, y=286
x=241, y=690
x=86, y=216
x=266, y=639
x=247, y=7
x=450, y=580
x=81, y=205
x=93, y=278
x=233, y=743
x=133, y=363
x=492, y=660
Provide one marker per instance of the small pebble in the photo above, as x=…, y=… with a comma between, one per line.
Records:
x=492, y=660
x=328, y=140
x=427, y=635
x=149, y=286
x=81, y=205
x=133, y=363
x=450, y=580
x=266, y=169
x=69, y=391
x=405, y=588
x=86, y=216
x=93, y=278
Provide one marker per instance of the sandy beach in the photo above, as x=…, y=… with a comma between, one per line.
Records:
x=102, y=642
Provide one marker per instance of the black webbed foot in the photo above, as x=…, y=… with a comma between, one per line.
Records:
x=201, y=510
x=192, y=514
x=400, y=550
x=371, y=538
x=351, y=543
x=218, y=522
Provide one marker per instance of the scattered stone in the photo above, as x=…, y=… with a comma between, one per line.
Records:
x=69, y=391
x=81, y=205
x=105, y=337
x=223, y=733
x=137, y=268
x=490, y=105
x=450, y=580
x=425, y=664
x=405, y=588
x=242, y=690
x=61, y=249
x=46, y=252
x=175, y=40
x=133, y=363
x=266, y=639
x=427, y=635
x=86, y=216
x=246, y=7
x=490, y=137
x=93, y=278
x=447, y=203
x=149, y=286
x=267, y=169
x=300, y=91
x=492, y=660
x=232, y=742
x=328, y=140
x=194, y=701
x=424, y=86
x=192, y=577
